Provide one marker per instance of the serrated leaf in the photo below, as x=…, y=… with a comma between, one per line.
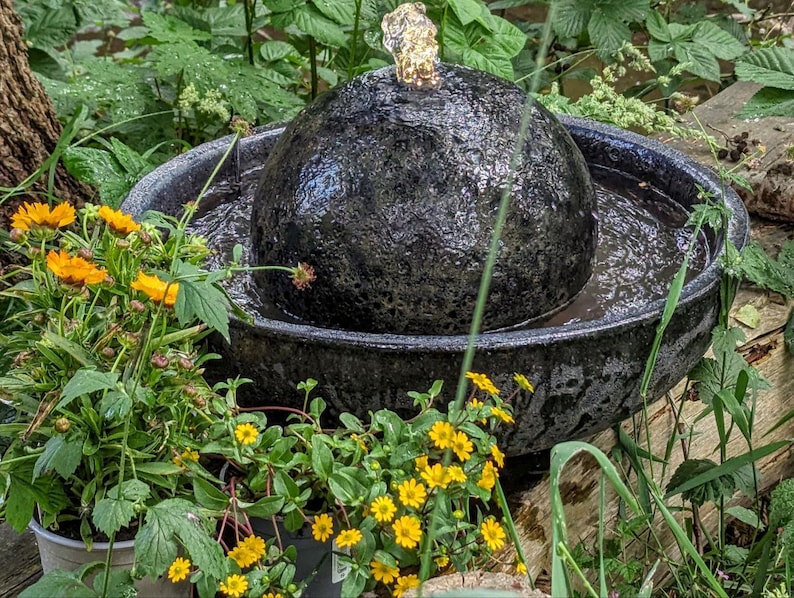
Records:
x=24, y=494
x=168, y=30
x=86, y=381
x=770, y=66
x=718, y=41
x=657, y=26
x=156, y=546
x=700, y=61
x=769, y=101
x=607, y=33
x=59, y=583
x=111, y=514
x=745, y=515
x=312, y=22
x=628, y=11
x=204, y=301
x=60, y=455
x=507, y=37
x=276, y=50
x=471, y=11
x=341, y=11
x=47, y=27
x=658, y=51
x=571, y=17
x=98, y=168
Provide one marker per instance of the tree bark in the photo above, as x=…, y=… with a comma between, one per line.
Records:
x=29, y=129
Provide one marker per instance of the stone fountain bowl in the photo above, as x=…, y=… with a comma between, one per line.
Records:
x=586, y=374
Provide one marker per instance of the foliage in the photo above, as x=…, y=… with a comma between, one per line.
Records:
x=371, y=487
x=774, y=68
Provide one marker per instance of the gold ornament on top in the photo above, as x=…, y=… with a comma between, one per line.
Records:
x=411, y=38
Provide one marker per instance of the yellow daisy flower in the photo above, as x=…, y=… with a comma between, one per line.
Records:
x=412, y=494
x=246, y=433
x=442, y=434
x=256, y=545
x=489, y=475
x=483, y=382
x=522, y=381
x=493, y=534
x=407, y=531
x=323, y=527
x=441, y=561
x=348, y=537
x=503, y=415
x=243, y=556
x=179, y=570
x=234, y=586
x=119, y=221
x=74, y=270
x=420, y=462
x=273, y=595
x=456, y=474
x=521, y=568
x=383, y=572
x=186, y=455
x=155, y=289
x=436, y=476
x=383, y=509
x=405, y=583
x=498, y=455
x=462, y=446
x=39, y=215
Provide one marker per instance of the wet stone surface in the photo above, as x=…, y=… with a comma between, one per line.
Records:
x=391, y=195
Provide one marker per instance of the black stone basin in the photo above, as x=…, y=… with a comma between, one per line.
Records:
x=586, y=374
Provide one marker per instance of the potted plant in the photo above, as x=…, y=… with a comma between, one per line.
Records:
x=365, y=494
x=104, y=373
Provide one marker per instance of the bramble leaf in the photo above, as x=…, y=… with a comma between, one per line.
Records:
x=773, y=67
x=86, y=381
x=60, y=455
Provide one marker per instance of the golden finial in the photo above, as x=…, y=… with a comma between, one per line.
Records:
x=411, y=38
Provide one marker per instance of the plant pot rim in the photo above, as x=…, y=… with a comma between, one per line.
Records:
x=37, y=529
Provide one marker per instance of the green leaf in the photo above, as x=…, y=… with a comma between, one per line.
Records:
x=717, y=41
x=115, y=405
x=322, y=457
x=571, y=17
x=770, y=66
x=657, y=27
x=769, y=101
x=748, y=315
x=98, y=168
x=285, y=486
x=72, y=348
x=204, y=301
x=59, y=583
x=24, y=494
x=47, y=26
x=265, y=507
x=700, y=61
x=607, y=33
x=775, y=275
x=168, y=30
x=345, y=488
x=111, y=514
x=157, y=468
x=86, y=381
x=341, y=11
x=312, y=22
x=276, y=50
x=508, y=38
x=745, y=515
x=209, y=496
x=156, y=546
x=470, y=11
x=60, y=455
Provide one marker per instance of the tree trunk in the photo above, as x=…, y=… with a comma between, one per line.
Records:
x=29, y=129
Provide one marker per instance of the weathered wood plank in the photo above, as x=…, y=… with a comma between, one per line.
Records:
x=20, y=558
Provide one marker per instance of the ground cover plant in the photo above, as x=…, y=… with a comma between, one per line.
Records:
x=137, y=82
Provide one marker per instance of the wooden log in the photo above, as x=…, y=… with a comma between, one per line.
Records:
x=764, y=349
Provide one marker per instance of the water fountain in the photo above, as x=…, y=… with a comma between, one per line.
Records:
x=392, y=201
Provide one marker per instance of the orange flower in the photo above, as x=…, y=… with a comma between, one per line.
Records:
x=117, y=220
x=155, y=289
x=39, y=215
x=74, y=270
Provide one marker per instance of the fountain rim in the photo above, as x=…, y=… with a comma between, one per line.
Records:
x=738, y=234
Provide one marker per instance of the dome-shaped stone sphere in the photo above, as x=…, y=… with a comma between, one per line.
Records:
x=391, y=194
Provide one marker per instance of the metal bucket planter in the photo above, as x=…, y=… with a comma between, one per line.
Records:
x=315, y=561
x=57, y=552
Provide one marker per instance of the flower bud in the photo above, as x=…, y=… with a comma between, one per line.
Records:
x=17, y=235
x=200, y=402
x=185, y=363
x=159, y=361
x=109, y=280
x=190, y=390
x=122, y=244
x=145, y=237
x=137, y=306
x=85, y=253
x=40, y=319
x=62, y=425
x=458, y=514
x=108, y=352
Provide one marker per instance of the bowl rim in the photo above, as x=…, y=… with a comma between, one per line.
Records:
x=702, y=284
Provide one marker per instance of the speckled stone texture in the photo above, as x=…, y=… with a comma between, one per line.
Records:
x=391, y=195
x=586, y=374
